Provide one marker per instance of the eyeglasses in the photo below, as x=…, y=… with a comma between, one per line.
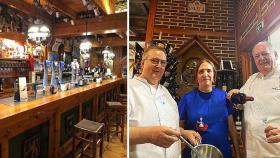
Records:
x=156, y=61
x=264, y=54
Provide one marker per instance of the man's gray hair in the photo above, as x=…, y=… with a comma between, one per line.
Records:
x=146, y=52
x=268, y=44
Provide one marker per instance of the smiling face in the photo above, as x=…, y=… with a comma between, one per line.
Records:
x=153, y=66
x=205, y=77
x=264, y=58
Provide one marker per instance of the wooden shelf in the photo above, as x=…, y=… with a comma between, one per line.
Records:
x=13, y=59
x=13, y=36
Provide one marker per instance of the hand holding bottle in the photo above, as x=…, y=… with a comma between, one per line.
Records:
x=238, y=98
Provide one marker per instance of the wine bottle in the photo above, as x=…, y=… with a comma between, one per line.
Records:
x=16, y=91
x=1, y=85
x=240, y=98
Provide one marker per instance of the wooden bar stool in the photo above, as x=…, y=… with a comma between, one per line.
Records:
x=123, y=98
x=115, y=117
x=88, y=133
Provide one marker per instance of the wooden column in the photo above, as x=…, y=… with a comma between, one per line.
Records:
x=151, y=21
x=246, y=66
x=117, y=65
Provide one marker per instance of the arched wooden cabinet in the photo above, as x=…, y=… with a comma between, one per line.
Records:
x=189, y=55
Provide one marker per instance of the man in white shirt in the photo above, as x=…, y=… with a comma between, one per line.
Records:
x=262, y=114
x=153, y=113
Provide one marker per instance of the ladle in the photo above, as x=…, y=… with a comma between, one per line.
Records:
x=190, y=146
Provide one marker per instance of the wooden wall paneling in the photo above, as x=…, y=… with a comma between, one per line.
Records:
x=246, y=66
x=52, y=134
x=20, y=145
x=95, y=104
x=4, y=148
x=150, y=22
x=56, y=134
x=67, y=120
x=117, y=64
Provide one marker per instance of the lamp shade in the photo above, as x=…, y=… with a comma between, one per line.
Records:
x=85, y=45
x=108, y=53
x=38, y=32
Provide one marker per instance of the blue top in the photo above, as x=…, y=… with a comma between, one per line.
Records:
x=214, y=108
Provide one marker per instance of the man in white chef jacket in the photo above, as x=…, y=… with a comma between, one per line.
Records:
x=263, y=114
x=153, y=113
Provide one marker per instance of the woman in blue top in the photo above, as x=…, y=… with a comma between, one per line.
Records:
x=207, y=111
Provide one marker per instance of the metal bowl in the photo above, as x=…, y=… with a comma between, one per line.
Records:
x=206, y=151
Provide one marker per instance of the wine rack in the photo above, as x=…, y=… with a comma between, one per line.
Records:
x=226, y=80
x=10, y=68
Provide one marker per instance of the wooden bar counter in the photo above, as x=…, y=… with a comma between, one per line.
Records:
x=43, y=127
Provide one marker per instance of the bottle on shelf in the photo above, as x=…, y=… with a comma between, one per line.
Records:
x=1, y=86
x=240, y=98
x=16, y=91
x=224, y=84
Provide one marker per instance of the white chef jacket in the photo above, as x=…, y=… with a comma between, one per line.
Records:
x=152, y=107
x=264, y=110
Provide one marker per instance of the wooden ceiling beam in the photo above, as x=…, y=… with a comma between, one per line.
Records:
x=28, y=9
x=13, y=36
x=99, y=25
x=62, y=8
x=132, y=32
x=110, y=41
x=151, y=21
x=137, y=17
x=121, y=34
x=139, y=1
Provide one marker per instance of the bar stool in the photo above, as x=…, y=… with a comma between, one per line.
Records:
x=115, y=112
x=88, y=133
x=123, y=98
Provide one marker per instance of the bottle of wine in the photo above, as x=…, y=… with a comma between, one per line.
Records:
x=1, y=85
x=240, y=98
x=16, y=91
x=224, y=84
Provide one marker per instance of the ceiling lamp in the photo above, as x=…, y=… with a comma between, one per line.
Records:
x=38, y=32
x=85, y=44
x=108, y=53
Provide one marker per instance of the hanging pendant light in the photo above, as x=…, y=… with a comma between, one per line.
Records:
x=85, y=44
x=108, y=53
x=38, y=32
